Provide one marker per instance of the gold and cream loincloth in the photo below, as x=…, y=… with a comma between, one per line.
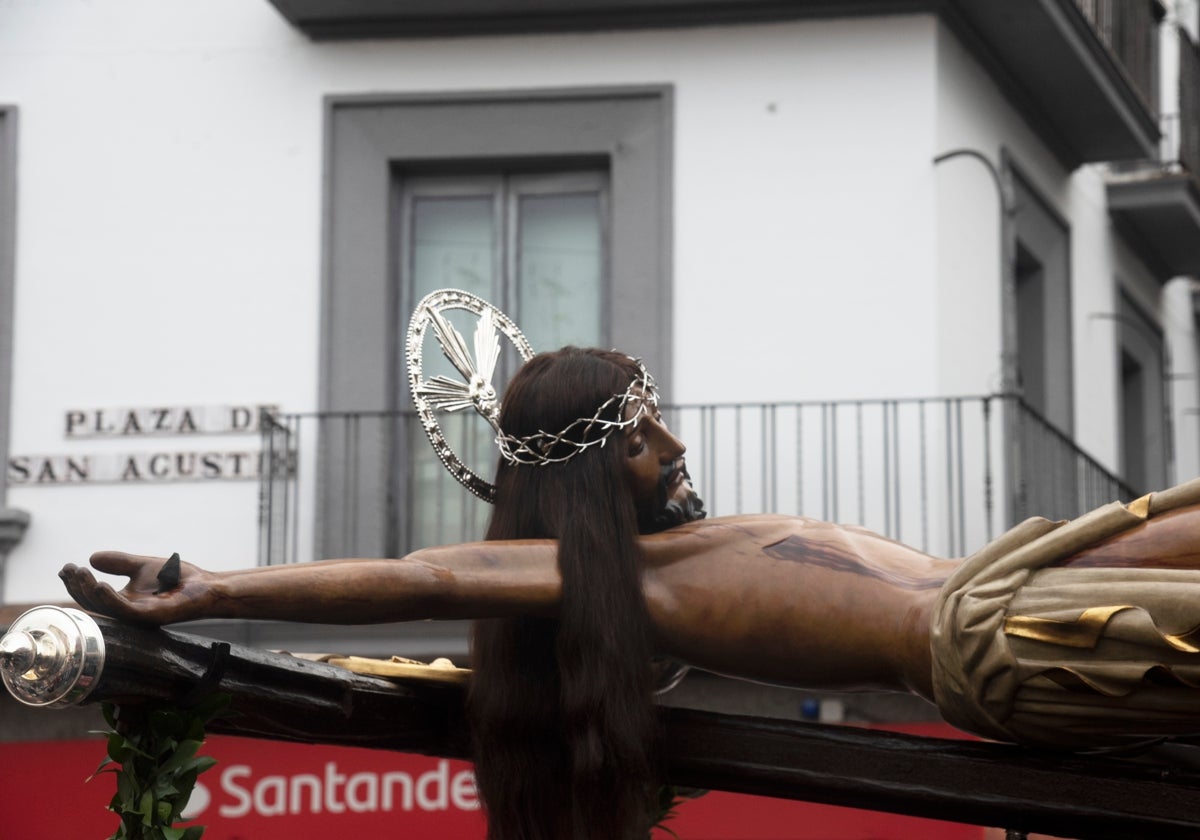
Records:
x=1066, y=656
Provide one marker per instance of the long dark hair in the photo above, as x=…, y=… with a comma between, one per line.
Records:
x=564, y=726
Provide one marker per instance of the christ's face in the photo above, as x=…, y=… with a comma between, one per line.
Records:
x=656, y=474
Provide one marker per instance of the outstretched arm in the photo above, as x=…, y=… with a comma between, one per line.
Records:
x=476, y=580
x=770, y=598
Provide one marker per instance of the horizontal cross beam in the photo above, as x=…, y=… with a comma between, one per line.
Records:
x=286, y=698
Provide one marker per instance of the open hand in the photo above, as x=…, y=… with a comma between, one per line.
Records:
x=154, y=594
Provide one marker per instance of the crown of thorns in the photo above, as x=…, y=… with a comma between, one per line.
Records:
x=537, y=447
x=443, y=393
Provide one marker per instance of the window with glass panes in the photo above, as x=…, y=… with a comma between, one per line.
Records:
x=533, y=243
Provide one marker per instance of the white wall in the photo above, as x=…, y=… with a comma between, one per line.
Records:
x=1178, y=316
x=1183, y=354
x=815, y=234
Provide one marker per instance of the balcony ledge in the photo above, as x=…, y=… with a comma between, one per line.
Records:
x=1044, y=53
x=1159, y=216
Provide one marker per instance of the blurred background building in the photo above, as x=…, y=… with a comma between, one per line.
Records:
x=922, y=265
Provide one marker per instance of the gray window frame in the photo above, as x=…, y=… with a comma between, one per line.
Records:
x=628, y=130
x=8, y=269
x=1046, y=237
x=1141, y=339
x=13, y=522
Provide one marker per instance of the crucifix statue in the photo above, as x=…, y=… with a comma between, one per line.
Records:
x=599, y=562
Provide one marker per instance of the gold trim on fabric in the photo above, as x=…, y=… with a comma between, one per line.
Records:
x=1188, y=642
x=1140, y=507
x=1083, y=632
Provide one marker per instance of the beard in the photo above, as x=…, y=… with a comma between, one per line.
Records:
x=667, y=513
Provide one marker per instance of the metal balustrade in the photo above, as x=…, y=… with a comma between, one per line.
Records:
x=1129, y=28
x=943, y=474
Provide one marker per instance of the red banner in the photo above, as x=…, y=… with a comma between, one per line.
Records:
x=263, y=790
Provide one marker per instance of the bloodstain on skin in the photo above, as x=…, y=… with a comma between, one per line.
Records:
x=812, y=553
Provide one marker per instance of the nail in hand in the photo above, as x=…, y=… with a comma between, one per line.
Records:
x=168, y=575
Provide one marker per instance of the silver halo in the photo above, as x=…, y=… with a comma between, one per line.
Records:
x=476, y=390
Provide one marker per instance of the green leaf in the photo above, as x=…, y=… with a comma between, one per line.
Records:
x=186, y=780
x=134, y=748
x=181, y=755
x=146, y=807
x=99, y=767
x=201, y=763
x=118, y=747
x=126, y=789
x=164, y=786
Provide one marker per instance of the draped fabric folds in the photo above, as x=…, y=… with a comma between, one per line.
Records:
x=1067, y=656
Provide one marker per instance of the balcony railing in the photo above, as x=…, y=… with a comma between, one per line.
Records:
x=1051, y=476
x=1130, y=29
x=1187, y=129
x=942, y=474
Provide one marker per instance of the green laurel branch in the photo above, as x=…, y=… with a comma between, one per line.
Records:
x=152, y=750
